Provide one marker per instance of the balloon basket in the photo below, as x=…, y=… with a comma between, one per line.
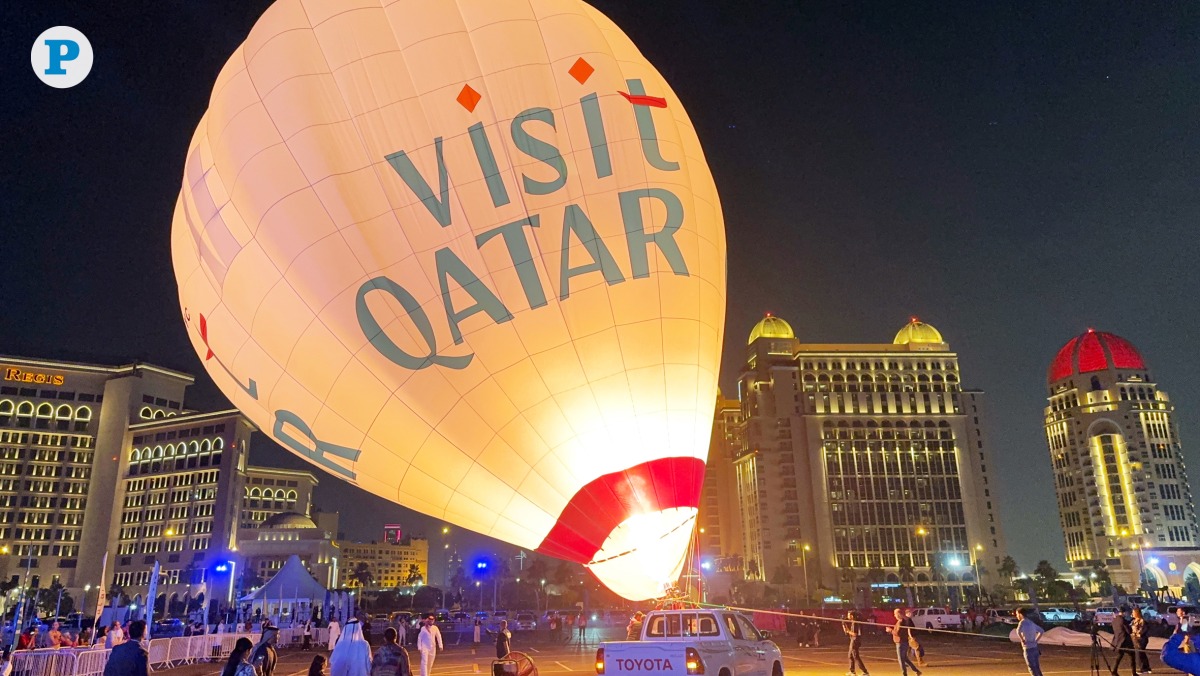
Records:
x=514, y=664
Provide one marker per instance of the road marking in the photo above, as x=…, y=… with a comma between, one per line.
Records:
x=806, y=659
x=563, y=666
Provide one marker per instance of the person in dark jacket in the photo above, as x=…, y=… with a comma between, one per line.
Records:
x=265, y=656
x=1122, y=642
x=503, y=640
x=853, y=628
x=633, y=631
x=1173, y=656
x=130, y=658
x=391, y=659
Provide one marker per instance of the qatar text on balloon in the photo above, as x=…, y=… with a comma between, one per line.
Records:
x=576, y=226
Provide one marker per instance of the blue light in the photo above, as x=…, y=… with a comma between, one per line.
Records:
x=222, y=568
x=481, y=565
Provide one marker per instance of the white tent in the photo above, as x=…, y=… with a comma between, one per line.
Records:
x=289, y=595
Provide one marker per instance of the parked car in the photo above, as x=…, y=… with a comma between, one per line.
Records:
x=167, y=629
x=1059, y=614
x=681, y=642
x=524, y=621
x=999, y=616
x=935, y=617
x=1104, y=615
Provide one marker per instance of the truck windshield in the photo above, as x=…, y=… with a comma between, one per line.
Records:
x=682, y=624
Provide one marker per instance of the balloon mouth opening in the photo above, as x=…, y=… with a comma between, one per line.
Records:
x=644, y=554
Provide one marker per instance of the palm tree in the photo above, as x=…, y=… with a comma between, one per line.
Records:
x=1088, y=578
x=362, y=574
x=1103, y=579
x=1008, y=568
x=1046, y=576
x=414, y=575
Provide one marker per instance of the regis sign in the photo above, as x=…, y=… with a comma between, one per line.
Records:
x=35, y=377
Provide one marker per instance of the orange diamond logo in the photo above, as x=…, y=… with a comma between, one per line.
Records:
x=581, y=71
x=468, y=98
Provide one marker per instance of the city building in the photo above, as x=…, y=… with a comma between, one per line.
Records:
x=98, y=459
x=286, y=534
x=384, y=565
x=64, y=430
x=718, y=521
x=1123, y=495
x=864, y=463
x=180, y=488
x=270, y=492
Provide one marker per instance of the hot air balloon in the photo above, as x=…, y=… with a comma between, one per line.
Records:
x=467, y=255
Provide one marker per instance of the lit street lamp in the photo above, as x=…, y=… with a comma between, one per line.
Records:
x=1141, y=566
x=804, y=563
x=978, y=581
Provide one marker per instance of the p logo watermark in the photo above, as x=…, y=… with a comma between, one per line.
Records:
x=61, y=57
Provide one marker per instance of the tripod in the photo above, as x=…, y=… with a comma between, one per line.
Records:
x=1098, y=655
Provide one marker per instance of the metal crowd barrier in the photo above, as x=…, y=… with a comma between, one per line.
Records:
x=164, y=653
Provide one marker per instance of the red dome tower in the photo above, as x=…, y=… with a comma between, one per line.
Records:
x=1093, y=351
x=1123, y=496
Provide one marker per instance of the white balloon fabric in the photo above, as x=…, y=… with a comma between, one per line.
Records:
x=468, y=256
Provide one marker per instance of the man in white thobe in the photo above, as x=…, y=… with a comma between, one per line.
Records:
x=429, y=641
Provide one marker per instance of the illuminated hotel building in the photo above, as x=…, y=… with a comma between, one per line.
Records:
x=269, y=491
x=864, y=459
x=98, y=459
x=63, y=429
x=273, y=542
x=389, y=563
x=179, y=493
x=1123, y=495
x=719, y=522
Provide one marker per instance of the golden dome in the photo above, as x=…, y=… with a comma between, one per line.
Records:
x=916, y=331
x=771, y=327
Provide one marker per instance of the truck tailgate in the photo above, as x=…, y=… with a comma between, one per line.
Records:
x=645, y=657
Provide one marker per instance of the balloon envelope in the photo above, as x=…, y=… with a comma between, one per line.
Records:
x=468, y=256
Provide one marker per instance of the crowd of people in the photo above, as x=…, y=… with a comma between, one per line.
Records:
x=352, y=654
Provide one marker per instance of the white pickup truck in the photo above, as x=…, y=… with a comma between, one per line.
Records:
x=936, y=618
x=680, y=642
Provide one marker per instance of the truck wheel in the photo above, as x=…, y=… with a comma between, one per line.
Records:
x=929, y=625
x=724, y=672
x=777, y=670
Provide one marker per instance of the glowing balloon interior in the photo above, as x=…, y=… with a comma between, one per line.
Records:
x=468, y=256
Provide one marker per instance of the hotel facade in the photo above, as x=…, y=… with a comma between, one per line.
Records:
x=864, y=463
x=98, y=459
x=1124, y=499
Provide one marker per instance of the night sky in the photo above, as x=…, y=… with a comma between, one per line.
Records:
x=1012, y=173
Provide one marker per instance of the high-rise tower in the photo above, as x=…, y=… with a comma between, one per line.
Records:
x=1123, y=495
x=865, y=463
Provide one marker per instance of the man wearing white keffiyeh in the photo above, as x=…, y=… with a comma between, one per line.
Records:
x=352, y=654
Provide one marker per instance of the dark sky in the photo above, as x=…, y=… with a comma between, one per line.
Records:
x=1012, y=173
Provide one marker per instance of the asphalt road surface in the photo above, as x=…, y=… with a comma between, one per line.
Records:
x=946, y=656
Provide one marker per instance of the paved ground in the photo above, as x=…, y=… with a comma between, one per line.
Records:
x=946, y=656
